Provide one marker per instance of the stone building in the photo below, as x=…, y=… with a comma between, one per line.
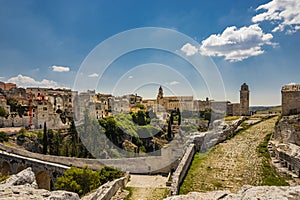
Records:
x=244, y=100
x=290, y=101
x=170, y=103
x=103, y=105
x=7, y=86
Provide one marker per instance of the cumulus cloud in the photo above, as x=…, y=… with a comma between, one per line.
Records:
x=189, y=49
x=236, y=44
x=26, y=81
x=60, y=68
x=93, y=75
x=284, y=13
x=130, y=77
x=173, y=83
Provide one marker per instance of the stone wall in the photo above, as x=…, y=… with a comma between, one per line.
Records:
x=285, y=145
x=139, y=165
x=182, y=169
x=108, y=190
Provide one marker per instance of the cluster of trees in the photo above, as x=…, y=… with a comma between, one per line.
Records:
x=143, y=118
x=67, y=144
x=82, y=181
x=16, y=107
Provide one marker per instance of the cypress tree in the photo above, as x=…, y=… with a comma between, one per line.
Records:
x=45, y=139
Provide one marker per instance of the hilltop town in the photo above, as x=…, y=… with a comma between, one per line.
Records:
x=31, y=107
x=228, y=126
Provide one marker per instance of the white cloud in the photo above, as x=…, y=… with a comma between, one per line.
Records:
x=60, y=68
x=130, y=77
x=236, y=44
x=26, y=81
x=284, y=13
x=173, y=83
x=189, y=49
x=93, y=75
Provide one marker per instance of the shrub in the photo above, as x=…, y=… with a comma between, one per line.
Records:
x=3, y=137
x=82, y=181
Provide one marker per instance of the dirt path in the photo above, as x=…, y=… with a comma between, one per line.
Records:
x=145, y=187
x=231, y=164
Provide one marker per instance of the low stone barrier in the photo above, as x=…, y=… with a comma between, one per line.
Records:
x=182, y=169
x=108, y=190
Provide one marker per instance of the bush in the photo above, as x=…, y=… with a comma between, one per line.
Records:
x=3, y=137
x=82, y=181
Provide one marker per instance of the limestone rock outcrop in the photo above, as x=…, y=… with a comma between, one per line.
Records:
x=246, y=193
x=23, y=186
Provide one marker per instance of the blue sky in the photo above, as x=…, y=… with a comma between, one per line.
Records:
x=46, y=43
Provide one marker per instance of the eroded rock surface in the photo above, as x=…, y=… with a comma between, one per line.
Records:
x=246, y=193
x=23, y=186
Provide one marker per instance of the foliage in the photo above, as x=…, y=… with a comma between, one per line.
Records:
x=16, y=107
x=140, y=106
x=3, y=137
x=45, y=139
x=85, y=180
x=2, y=112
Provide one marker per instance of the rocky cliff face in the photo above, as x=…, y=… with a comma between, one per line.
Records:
x=288, y=130
x=23, y=186
x=246, y=193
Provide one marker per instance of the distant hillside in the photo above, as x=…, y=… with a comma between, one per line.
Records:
x=265, y=109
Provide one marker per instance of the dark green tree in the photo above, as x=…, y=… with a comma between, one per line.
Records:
x=50, y=141
x=73, y=139
x=3, y=137
x=169, y=134
x=2, y=112
x=179, y=116
x=171, y=119
x=45, y=139
x=56, y=142
x=141, y=118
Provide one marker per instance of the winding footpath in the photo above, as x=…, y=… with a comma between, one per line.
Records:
x=231, y=164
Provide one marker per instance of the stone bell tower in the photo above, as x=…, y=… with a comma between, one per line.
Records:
x=244, y=100
x=160, y=96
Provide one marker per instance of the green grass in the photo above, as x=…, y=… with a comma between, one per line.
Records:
x=269, y=175
x=187, y=184
x=129, y=189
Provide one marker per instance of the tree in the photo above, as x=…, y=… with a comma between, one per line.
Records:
x=171, y=119
x=50, y=141
x=2, y=112
x=141, y=118
x=56, y=142
x=3, y=137
x=85, y=180
x=179, y=116
x=73, y=138
x=45, y=139
x=169, y=134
